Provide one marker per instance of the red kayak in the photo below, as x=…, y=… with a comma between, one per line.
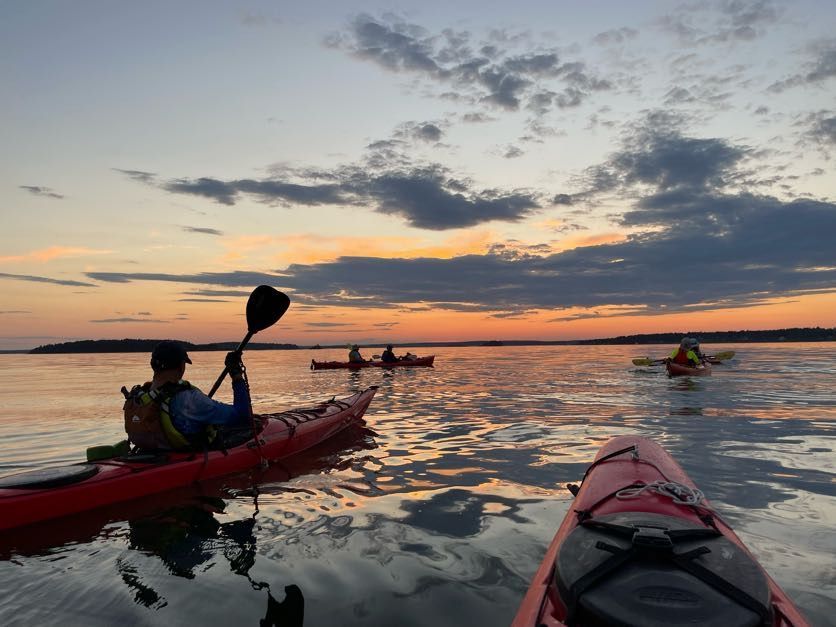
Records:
x=641, y=546
x=678, y=370
x=401, y=363
x=39, y=495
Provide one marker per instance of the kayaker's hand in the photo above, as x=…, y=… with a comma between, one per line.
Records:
x=233, y=363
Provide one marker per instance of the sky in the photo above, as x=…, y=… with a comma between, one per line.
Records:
x=410, y=172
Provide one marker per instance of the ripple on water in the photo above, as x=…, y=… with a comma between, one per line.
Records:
x=440, y=513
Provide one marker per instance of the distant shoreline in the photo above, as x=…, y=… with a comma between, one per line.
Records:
x=807, y=334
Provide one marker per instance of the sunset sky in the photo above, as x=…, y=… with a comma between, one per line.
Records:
x=415, y=171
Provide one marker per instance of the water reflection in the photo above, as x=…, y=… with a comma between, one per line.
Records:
x=686, y=411
x=188, y=539
x=190, y=536
x=442, y=516
x=460, y=513
x=686, y=384
x=289, y=613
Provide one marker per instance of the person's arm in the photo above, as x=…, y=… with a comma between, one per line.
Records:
x=241, y=397
x=194, y=406
x=240, y=390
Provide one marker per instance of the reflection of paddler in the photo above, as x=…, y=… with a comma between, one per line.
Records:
x=288, y=613
x=182, y=537
x=187, y=536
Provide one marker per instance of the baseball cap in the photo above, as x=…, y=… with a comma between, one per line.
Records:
x=169, y=354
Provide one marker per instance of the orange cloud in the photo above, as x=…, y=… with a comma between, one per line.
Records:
x=588, y=240
x=54, y=252
x=552, y=224
x=310, y=248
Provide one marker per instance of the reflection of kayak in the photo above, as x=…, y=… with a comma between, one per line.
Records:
x=401, y=363
x=627, y=554
x=53, y=492
x=678, y=370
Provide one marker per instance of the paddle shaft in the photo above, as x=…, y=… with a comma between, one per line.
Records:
x=223, y=374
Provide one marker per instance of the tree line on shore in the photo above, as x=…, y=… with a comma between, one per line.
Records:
x=796, y=334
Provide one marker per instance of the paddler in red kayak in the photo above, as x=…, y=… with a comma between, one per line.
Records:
x=388, y=356
x=168, y=413
x=354, y=355
x=688, y=353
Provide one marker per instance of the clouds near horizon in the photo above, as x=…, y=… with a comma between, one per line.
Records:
x=700, y=239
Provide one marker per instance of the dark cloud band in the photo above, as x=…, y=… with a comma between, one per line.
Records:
x=43, y=279
x=714, y=252
x=425, y=196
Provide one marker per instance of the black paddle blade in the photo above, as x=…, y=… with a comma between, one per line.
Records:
x=265, y=307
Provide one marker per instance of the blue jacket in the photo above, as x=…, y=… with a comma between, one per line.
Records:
x=192, y=410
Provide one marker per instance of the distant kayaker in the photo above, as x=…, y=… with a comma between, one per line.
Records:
x=687, y=354
x=354, y=355
x=388, y=356
x=168, y=413
x=695, y=346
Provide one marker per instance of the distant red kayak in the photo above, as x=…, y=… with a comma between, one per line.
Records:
x=401, y=363
x=628, y=554
x=678, y=370
x=33, y=496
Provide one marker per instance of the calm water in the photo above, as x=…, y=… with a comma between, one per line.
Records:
x=439, y=513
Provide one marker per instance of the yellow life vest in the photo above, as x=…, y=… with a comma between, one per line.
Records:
x=148, y=417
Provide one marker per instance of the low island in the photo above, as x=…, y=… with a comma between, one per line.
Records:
x=806, y=334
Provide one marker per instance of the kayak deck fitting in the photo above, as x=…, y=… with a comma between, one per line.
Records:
x=401, y=363
x=39, y=495
x=641, y=546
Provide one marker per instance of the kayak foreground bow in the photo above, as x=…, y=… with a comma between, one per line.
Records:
x=641, y=546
